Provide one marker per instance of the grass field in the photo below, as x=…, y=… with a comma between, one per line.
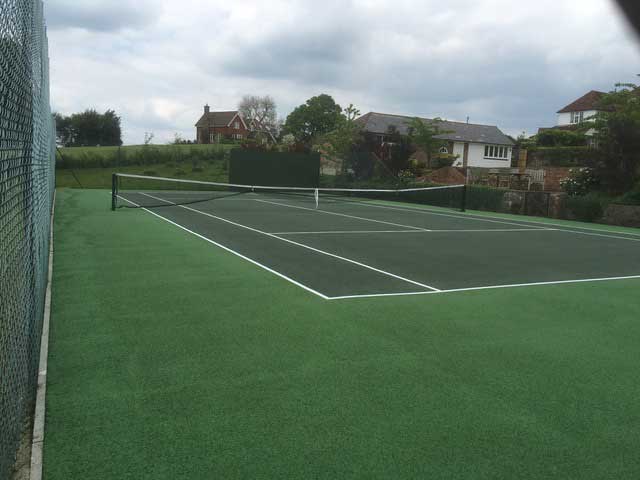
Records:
x=171, y=358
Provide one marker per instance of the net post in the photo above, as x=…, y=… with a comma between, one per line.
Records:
x=463, y=206
x=114, y=191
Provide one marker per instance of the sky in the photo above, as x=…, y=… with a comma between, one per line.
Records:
x=498, y=62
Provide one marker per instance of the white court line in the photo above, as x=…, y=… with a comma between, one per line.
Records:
x=348, y=260
x=349, y=232
x=343, y=215
x=489, y=287
x=298, y=284
x=471, y=216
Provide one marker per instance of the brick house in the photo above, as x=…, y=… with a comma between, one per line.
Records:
x=229, y=125
x=215, y=126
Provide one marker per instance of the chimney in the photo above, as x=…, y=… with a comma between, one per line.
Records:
x=206, y=109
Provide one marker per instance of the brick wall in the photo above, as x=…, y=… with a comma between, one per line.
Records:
x=553, y=176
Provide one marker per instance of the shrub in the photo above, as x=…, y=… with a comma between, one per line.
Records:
x=443, y=160
x=586, y=208
x=405, y=177
x=580, y=181
x=149, y=172
x=179, y=173
x=632, y=197
x=560, y=138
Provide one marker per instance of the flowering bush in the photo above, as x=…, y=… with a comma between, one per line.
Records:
x=406, y=176
x=580, y=181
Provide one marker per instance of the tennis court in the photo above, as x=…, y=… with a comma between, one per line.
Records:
x=171, y=357
x=340, y=246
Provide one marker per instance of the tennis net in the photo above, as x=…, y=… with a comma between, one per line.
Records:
x=140, y=191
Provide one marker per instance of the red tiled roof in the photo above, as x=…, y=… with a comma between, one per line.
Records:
x=217, y=119
x=586, y=102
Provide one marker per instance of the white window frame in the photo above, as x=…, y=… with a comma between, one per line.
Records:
x=444, y=150
x=497, y=152
x=236, y=125
x=212, y=137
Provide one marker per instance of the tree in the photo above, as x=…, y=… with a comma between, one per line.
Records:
x=259, y=110
x=340, y=143
x=89, y=128
x=318, y=116
x=423, y=135
x=563, y=138
x=618, y=137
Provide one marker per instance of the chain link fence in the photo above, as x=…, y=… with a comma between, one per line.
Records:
x=27, y=145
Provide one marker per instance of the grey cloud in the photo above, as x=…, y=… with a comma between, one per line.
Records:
x=99, y=15
x=314, y=58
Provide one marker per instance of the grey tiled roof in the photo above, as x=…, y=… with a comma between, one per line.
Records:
x=374, y=122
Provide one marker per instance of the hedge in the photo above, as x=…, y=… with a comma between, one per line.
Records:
x=105, y=157
x=561, y=156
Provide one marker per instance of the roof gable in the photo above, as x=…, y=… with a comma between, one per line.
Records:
x=456, y=131
x=589, y=101
x=218, y=119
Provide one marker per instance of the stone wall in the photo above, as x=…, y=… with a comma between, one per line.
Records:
x=625, y=215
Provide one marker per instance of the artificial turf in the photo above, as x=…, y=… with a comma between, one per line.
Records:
x=171, y=358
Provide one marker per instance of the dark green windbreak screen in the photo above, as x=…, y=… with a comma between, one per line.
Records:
x=280, y=169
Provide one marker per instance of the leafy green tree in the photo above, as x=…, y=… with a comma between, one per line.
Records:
x=340, y=141
x=399, y=149
x=563, y=138
x=423, y=135
x=318, y=116
x=89, y=128
x=618, y=137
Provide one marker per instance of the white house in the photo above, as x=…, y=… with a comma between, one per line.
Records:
x=580, y=110
x=578, y=113
x=475, y=145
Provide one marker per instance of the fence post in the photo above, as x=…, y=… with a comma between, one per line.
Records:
x=114, y=191
x=463, y=207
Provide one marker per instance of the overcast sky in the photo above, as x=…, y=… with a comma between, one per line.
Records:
x=500, y=62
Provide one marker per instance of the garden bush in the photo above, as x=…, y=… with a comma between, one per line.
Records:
x=580, y=181
x=586, y=208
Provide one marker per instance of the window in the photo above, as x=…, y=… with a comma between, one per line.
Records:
x=496, y=151
x=212, y=138
x=236, y=125
x=444, y=150
x=577, y=117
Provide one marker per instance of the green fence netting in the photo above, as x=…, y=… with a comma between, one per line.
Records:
x=27, y=144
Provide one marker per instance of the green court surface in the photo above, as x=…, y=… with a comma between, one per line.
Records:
x=259, y=337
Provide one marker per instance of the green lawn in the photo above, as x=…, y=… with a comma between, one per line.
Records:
x=171, y=358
